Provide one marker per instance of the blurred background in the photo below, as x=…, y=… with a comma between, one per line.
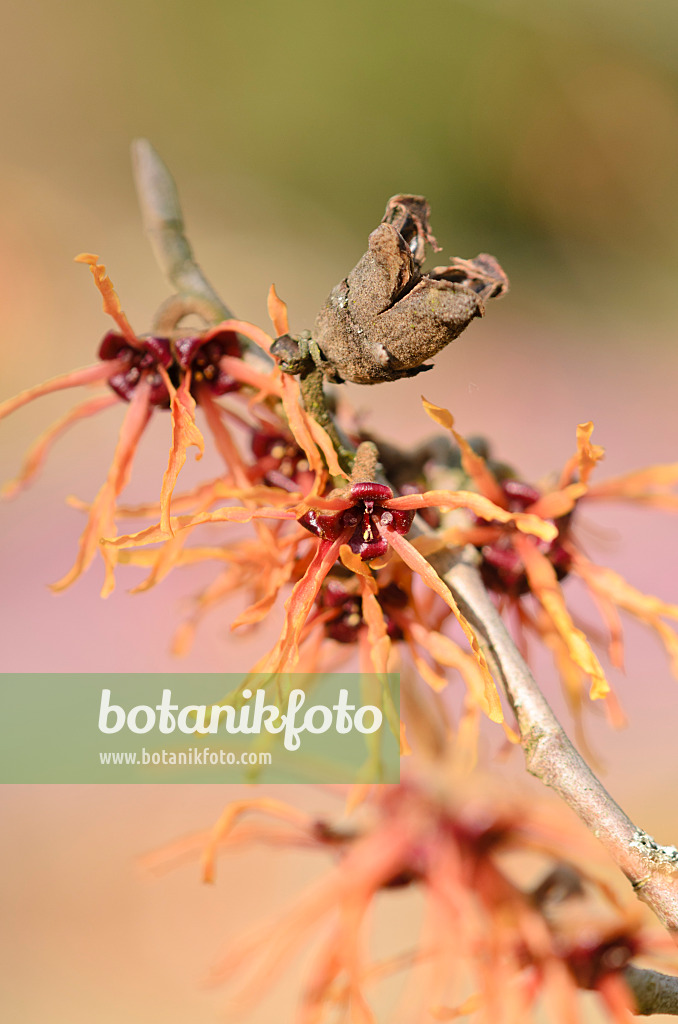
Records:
x=544, y=133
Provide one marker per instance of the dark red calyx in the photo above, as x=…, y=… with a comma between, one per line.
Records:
x=367, y=490
x=344, y=628
x=363, y=517
x=280, y=462
x=591, y=961
x=203, y=357
x=519, y=496
x=502, y=568
x=145, y=360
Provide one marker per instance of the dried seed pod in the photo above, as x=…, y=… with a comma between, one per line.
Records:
x=386, y=318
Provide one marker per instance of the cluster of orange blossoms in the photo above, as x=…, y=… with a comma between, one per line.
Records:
x=340, y=542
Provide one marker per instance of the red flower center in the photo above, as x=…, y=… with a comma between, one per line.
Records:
x=202, y=356
x=363, y=515
x=140, y=362
x=280, y=462
x=344, y=628
x=502, y=568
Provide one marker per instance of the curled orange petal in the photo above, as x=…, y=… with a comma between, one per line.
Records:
x=185, y=434
x=585, y=459
x=298, y=421
x=418, y=564
x=474, y=465
x=299, y=604
x=94, y=374
x=377, y=634
x=111, y=301
x=277, y=310
x=480, y=505
x=609, y=587
x=156, y=534
x=251, y=331
x=37, y=453
x=558, y=503
x=265, y=805
x=648, y=486
x=544, y=585
x=101, y=518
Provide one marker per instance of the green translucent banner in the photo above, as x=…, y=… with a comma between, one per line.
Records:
x=183, y=728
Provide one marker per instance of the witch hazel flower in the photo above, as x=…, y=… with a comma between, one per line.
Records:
x=169, y=370
x=515, y=566
x=292, y=458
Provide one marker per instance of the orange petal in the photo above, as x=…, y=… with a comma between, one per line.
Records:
x=643, y=485
x=589, y=454
x=443, y=417
x=444, y=650
x=184, y=434
x=558, y=503
x=586, y=458
x=156, y=534
x=481, y=506
x=474, y=465
x=205, y=495
x=222, y=437
x=111, y=301
x=87, y=375
x=265, y=805
x=544, y=585
x=355, y=564
x=614, y=586
x=277, y=578
x=418, y=564
x=245, y=373
x=431, y=676
x=163, y=561
x=101, y=518
x=277, y=310
x=324, y=442
x=251, y=331
x=219, y=589
x=609, y=586
x=297, y=419
x=377, y=635
x=299, y=604
x=39, y=450
x=466, y=742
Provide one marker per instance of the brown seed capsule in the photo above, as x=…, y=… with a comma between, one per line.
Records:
x=386, y=318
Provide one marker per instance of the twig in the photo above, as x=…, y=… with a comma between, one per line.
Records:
x=551, y=757
x=653, y=992
x=315, y=402
x=164, y=224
